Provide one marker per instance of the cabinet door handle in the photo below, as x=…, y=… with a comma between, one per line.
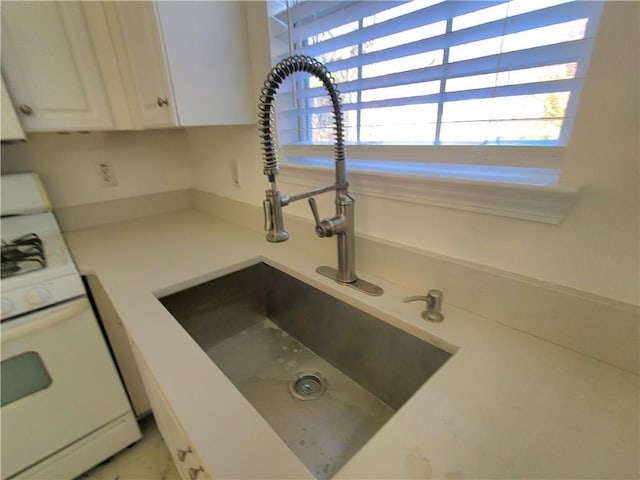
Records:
x=26, y=109
x=162, y=102
x=181, y=454
x=193, y=472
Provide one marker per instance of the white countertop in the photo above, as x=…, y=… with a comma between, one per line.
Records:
x=505, y=405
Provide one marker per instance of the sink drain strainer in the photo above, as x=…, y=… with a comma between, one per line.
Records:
x=308, y=385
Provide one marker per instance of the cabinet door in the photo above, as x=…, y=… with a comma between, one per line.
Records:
x=187, y=460
x=206, y=49
x=141, y=31
x=50, y=67
x=120, y=346
x=11, y=127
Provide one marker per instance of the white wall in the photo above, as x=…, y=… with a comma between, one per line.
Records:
x=144, y=163
x=595, y=249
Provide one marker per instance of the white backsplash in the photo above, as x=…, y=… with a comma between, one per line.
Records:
x=144, y=162
x=589, y=324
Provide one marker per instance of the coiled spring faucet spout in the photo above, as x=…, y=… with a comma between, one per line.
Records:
x=342, y=224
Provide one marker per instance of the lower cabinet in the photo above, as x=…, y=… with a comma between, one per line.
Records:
x=120, y=346
x=187, y=460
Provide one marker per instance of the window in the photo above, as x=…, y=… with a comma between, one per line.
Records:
x=425, y=75
x=22, y=375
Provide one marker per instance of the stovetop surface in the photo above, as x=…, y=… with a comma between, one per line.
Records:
x=22, y=255
x=34, y=249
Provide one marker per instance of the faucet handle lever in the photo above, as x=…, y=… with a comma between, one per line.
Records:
x=314, y=210
x=321, y=227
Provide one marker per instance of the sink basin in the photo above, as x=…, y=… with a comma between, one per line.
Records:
x=324, y=375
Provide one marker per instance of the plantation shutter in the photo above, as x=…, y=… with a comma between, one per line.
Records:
x=431, y=72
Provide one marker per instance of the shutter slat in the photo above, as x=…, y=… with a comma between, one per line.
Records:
x=432, y=44
x=431, y=14
x=535, y=57
x=555, y=86
x=538, y=18
x=341, y=14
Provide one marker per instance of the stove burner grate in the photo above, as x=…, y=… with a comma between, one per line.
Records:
x=22, y=255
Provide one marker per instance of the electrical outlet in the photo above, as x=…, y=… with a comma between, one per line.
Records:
x=106, y=174
x=235, y=172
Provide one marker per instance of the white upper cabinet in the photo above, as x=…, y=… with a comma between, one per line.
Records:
x=127, y=65
x=206, y=48
x=50, y=67
x=189, y=61
x=10, y=127
x=144, y=57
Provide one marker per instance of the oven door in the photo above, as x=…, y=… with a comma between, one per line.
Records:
x=58, y=383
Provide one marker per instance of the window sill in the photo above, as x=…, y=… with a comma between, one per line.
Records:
x=545, y=204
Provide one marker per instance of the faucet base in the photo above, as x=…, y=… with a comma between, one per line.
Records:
x=360, y=285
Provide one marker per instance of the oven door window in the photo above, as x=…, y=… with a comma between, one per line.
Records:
x=22, y=375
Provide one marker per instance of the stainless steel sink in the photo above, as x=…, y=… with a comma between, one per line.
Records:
x=325, y=375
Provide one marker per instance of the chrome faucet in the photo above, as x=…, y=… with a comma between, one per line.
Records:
x=341, y=224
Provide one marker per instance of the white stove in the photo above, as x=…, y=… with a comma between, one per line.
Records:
x=37, y=268
x=63, y=406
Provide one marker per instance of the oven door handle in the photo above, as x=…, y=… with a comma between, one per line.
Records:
x=47, y=320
